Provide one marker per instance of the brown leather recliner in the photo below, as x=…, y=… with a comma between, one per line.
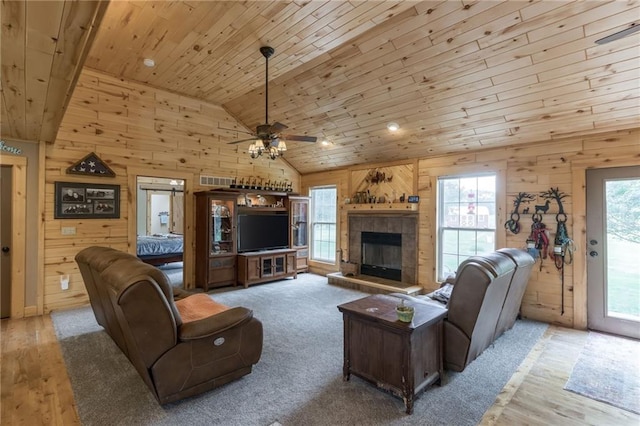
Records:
x=91, y=263
x=477, y=299
x=511, y=308
x=478, y=295
x=179, y=348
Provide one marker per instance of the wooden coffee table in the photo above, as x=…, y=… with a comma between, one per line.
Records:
x=401, y=358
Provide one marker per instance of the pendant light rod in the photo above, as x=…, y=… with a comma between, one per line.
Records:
x=266, y=51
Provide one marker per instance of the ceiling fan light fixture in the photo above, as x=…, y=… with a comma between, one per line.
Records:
x=274, y=152
x=393, y=126
x=269, y=136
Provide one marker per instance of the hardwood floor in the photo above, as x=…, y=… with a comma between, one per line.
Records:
x=535, y=394
x=35, y=385
x=36, y=388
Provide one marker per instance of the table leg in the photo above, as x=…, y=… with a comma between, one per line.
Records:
x=408, y=403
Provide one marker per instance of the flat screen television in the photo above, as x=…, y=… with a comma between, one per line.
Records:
x=262, y=232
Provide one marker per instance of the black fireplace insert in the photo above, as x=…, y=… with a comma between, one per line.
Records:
x=382, y=255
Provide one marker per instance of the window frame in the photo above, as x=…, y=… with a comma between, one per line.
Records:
x=441, y=228
x=312, y=225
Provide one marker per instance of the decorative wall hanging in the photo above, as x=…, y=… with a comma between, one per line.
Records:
x=87, y=201
x=513, y=224
x=562, y=251
x=11, y=149
x=538, y=241
x=91, y=165
x=376, y=176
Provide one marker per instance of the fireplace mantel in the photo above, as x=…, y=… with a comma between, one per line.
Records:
x=380, y=208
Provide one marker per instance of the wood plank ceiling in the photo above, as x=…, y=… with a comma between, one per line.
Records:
x=44, y=45
x=456, y=75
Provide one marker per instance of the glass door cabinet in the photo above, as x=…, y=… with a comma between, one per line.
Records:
x=215, y=239
x=299, y=235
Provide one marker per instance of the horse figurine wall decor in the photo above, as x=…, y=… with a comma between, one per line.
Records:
x=542, y=208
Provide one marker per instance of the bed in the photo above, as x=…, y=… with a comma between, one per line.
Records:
x=159, y=249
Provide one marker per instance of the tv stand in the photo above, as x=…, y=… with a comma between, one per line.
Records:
x=267, y=265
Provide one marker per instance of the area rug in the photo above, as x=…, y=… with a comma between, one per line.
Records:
x=608, y=370
x=298, y=380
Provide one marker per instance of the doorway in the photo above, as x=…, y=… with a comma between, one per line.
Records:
x=613, y=244
x=160, y=223
x=5, y=242
x=13, y=210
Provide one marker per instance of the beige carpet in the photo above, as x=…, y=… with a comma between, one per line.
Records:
x=608, y=370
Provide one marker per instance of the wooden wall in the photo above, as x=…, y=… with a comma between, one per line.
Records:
x=137, y=131
x=533, y=168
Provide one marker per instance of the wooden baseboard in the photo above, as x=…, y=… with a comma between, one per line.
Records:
x=30, y=311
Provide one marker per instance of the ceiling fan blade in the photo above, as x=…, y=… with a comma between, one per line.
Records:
x=299, y=138
x=240, y=141
x=277, y=127
x=620, y=34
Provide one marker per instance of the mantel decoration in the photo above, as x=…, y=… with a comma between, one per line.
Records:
x=91, y=165
x=87, y=201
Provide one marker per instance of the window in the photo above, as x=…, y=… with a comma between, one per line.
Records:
x=466, y=220
x=323, y=223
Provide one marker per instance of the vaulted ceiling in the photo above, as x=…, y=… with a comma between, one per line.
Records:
x=455, y=75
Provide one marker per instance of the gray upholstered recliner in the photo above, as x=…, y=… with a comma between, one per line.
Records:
x=179, y=348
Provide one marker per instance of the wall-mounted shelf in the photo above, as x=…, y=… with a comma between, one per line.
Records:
x=254, y=191
x=380, y=207
x=244, y=209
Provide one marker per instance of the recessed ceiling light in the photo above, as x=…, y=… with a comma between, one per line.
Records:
x=148, y=62
x=325, y=142
x=393, y=126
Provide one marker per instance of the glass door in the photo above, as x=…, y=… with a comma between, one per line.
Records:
x=222, y=226
x=278, y=264
x=299, y=223
x=267, y=266
x=613, y=244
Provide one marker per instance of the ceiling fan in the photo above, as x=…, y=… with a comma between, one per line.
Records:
x=268, y=137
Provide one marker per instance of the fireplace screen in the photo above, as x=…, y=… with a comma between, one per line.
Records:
x=382, y=255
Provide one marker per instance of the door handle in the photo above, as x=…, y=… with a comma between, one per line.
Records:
x=5, y=249
x=593, y=253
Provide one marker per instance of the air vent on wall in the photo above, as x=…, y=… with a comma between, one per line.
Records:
x=215, y=181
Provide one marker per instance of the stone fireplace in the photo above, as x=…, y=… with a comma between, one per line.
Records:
x=385, y=245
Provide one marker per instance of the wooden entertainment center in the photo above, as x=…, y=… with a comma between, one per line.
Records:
x=249, y=236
